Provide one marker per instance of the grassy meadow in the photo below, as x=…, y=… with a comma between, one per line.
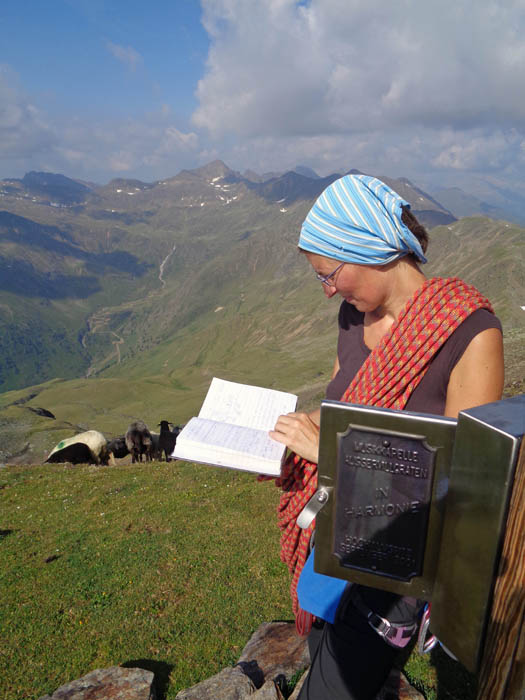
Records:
x=170, y=567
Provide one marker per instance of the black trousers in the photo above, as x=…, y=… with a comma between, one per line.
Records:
x=349, y=660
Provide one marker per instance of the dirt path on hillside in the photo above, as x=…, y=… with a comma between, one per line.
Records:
x=99, y=320
x=163, y=264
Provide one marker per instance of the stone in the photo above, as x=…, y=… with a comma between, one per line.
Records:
x=398, y=688
x=274, y=649
x=114, y=683
x=269, y=691
x=229, y=684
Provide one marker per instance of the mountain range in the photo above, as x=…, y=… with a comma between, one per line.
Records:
x=122, y=301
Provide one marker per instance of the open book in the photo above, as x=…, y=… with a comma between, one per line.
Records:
x=232, y=427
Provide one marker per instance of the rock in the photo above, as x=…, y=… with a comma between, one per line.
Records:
x=398, y=688
x=275, y=649
x=41, y=412
x=269, y=691
x=229, y=684
x=114, y=683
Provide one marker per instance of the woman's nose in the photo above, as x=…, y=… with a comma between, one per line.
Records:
x=329, y=291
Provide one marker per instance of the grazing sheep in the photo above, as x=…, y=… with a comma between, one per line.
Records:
x=85, y=448
x=117, y=446
x=139, y=441
x=155, y=450
x=167, y=439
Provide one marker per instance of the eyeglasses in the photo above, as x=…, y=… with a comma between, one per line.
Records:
x=328, y=278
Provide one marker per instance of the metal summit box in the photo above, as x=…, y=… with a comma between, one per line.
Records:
x=417, y=504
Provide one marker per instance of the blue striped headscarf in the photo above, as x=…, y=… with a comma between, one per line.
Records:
x=357, y=219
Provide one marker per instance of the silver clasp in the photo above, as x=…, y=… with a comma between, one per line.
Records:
x=314, y=505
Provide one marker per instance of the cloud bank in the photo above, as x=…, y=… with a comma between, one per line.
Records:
x=368, y=83
x=150, y=147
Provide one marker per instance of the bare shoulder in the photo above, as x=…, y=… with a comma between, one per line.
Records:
x=478, y=376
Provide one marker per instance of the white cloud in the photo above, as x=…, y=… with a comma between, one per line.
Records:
x=276, y=67
x=149, y=148
x=480, y=149
x=126, y=54
x=23, y=129
x=369, y=85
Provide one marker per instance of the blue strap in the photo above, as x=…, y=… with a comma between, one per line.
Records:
x=319, y=594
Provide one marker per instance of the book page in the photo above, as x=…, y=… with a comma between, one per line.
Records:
x=249, y=406
x=203, y=435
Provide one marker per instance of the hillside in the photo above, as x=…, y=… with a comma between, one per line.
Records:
x=126, y=305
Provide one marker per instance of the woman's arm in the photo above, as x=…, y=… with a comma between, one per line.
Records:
x=478, y=376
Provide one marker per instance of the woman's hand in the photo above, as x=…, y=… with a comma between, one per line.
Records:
x=298, y=432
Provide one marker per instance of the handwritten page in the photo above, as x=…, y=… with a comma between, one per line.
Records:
x=241, y=404
x=233, y=438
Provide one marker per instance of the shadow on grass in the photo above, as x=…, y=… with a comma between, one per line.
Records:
x=437, y=675
x=5, y=533
x=454, y=681
x=160, y=669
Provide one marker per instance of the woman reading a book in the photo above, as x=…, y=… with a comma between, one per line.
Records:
x=405, y=342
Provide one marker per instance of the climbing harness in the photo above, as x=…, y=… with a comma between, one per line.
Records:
x=397, y=635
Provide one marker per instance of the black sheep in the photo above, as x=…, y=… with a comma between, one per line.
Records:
x=139, y=441
x=118, y=447
x=167, y=439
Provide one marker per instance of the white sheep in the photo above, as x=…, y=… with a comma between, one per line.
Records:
x=85, y=448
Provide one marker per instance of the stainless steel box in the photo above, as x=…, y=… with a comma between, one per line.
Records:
x=416, y=504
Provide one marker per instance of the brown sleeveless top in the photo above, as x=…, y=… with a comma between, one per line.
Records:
x=431, y=393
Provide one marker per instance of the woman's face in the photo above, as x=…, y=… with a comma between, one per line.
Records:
x=364, y=286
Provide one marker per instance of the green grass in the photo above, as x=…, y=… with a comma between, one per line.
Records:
x=170, y=567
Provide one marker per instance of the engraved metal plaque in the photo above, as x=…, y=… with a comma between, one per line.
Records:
x=384, y=489
x=381, y=525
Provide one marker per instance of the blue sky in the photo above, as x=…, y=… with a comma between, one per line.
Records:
x=113, y=58
x=98, y=89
